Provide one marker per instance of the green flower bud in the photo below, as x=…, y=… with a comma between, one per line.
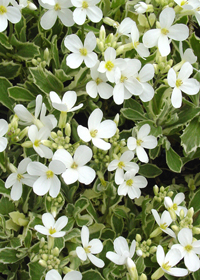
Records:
x=44, y=257
x=182, y=214
x=157, y=274
x=153, y=249
x=23, y=133
x=143, y=276
x=156, y=232
x=156, y=190
x=27, y=144
x=190, y=212
x=43, y=263
x=46, y=54
x=138, y=237
x=195, y=230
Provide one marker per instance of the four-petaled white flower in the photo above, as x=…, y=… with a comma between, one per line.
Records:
x=182, y=83
x=121, y=164
x=8, y=13
x=174, y=205
x=47, y=181
x=66, y=104
x=163, y=222
x=97, y=130
x=123, y=253
x=109, y=65
x=89, y=248
x=54, y=275
x=56, y=8
x=98, y=85
x=81, y=52
x=52, y=227
x=159, y=37
x=139, y=47
x=132, y=184
x=167, y=262
x=188, y=249
x=143, y=141
x=37, y=136
x=16, y=179
x=86, y=8
x=76, y=169
x=3, y=130
x=126, y=84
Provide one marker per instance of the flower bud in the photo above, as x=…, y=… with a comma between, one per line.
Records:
x=132, y=269
x=102, y=34
x=143, y=276
x=46, y=54
x=43, y=263
x=139, y=252
x=109, y=21
x=156, y=190
x=190, y=212
x=195, y=230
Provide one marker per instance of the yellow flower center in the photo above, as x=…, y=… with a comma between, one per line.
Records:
x=57, y=7
x=37, y=143
x=49, y=174
x=178, y=82
x=136, y=44
x=19, y=177
x=83, y=51
x=123, y=78
x=3, y=10
x=175, y=207
x=74, y=165
x=121, y=164
x=93, y=133
x=183, y=3
x=188, y=248
x=129, y=182
x=109, y=65
x=98, y=81
x=166, y=266
x=164, y=31
x=163, y=226
x=85, y=5
x=139, y=142
x=52, y=230
x=87, y=249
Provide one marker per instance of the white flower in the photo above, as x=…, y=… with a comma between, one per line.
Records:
x=159, y=37
x=86, y=8
x=146, y=74
x=188, y=249
x=98, y=85
x=109, y=65
x=139, y=47
x=40, y=109
x=16, y=179
x=125, y=27
x=47, y=181
x=188, y=55
x=121, y=164
x=10, y=13
x=122, y=251
x=174, y=205
x=97, y=130
x=89, y=248
x=171, y=259
x=66, y=104
x=81, y=52
x=132, y=184
x=37, y=137
x=164, y=222
x=52, y=227
x=182, y=83
x=143, y=141
x=126, y=84
x=3, y=130
x=76, y=169
x=141, y=7
x=56, y=8
x=54, y=275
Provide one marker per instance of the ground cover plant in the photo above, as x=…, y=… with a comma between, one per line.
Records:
x=99, y=140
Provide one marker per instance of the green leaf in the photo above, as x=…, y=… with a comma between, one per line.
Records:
x=45, y=80
x=4, y=97
x=140, y=265
x=149, y=170
x=3, y=190
x=194, y=202
x=20, y=94
x=6, y=206
x=5, y=42
x=54, y=49
x=190, y=139
x=25, y=51
x=133, y=104
x=117, y=224
x=20, y=28
x=195, y=43
x=15, y=242
x=173, y=160
x=36, y=271
x=117, y=3
x=9, y=69
x=10, y=255
x=92, y=274
x=133, y=115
